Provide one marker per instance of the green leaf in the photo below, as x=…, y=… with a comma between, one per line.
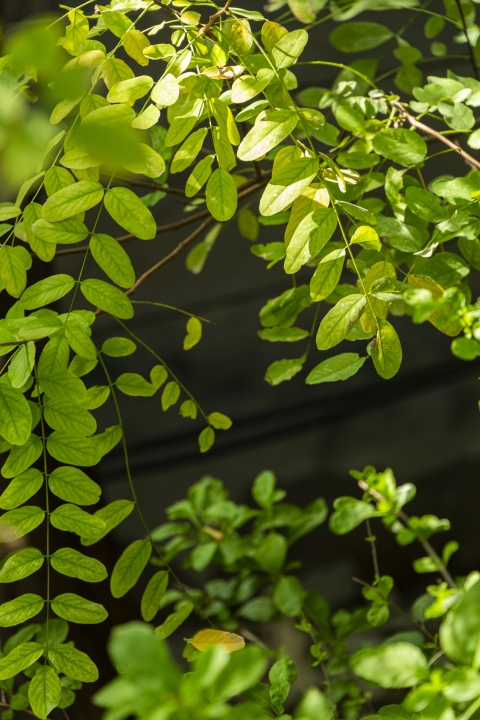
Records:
x=15, y=415
x=76, y=609
x=400, y=236
x=396, y=665
x=21, y=489
x=287, y=184
x=367, y=237
x=166, y=92
x=113, y=259
x=288, y=49
x=21, y=564
x=288, y=595
x=327, y=275
x=73, y=486
x=46, y=291
x=187, y=153
x=57, y=178
x=12, y=270
x=206, y=439
x=194, y=330
x=63, y=385
x=147, y=118
x=21, y=365
x=8, y=211
x=72, y=200
x=153, y=595
x=118, y=347
x=282, y=370
x=148, y=163
x=357, y=212
x=281, y=334
x=107, y=297
x=44, y=691
x=68, y=416
x=400, y=145
x=129, y=567
x=310, y=236
x=66, y=447
x=271, y=553
x=20, y=658
x=130, y=213
x=112, y=515
x=22, y=456
x=172, y=622
x=219, y=421
x=338, y=322
x=386, y=350
x=460, y=631
x=267, y=133
x=340, y=367
x=40, y=328
x=350, y=513
x=130, y=90
x=358, y=36
x=73, y=564
x=425, y=204
x=199, y=176
x=80, y=343
x=20, y=610
x=188, y=409
x=246, y=88
x=73, y=663
x=14, y=524
x=71, y=518
x=135, y=385
x=170, y=395
x=222, y=197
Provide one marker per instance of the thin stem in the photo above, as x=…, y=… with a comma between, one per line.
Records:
x=157, y=357
x=170, y=307
x=47, y=499
x=371, y=540
x=470, y=48
x=132, y=487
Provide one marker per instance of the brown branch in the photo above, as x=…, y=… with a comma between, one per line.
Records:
x=168, y=258
x=470, y=49
x=13, y=342
x=178, y=15
x=171, y=256
x=251, y=186
x=126, y=238
x=430, y=131
x=209, y=24
x=153, y=186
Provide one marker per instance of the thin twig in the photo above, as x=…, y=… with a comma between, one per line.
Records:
x=209, y=24
x=153, y=186
x=171, y=256
x=470, y=49
x=168, y=258
x=430, y=131
x=371, y=540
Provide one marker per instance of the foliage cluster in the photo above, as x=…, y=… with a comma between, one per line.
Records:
x=344, y=170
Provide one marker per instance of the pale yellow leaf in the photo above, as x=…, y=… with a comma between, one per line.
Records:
x=206, y=639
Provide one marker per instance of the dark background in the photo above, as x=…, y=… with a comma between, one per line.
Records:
x=423, y=423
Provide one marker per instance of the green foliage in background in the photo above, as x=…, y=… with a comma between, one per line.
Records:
x=106, y=98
